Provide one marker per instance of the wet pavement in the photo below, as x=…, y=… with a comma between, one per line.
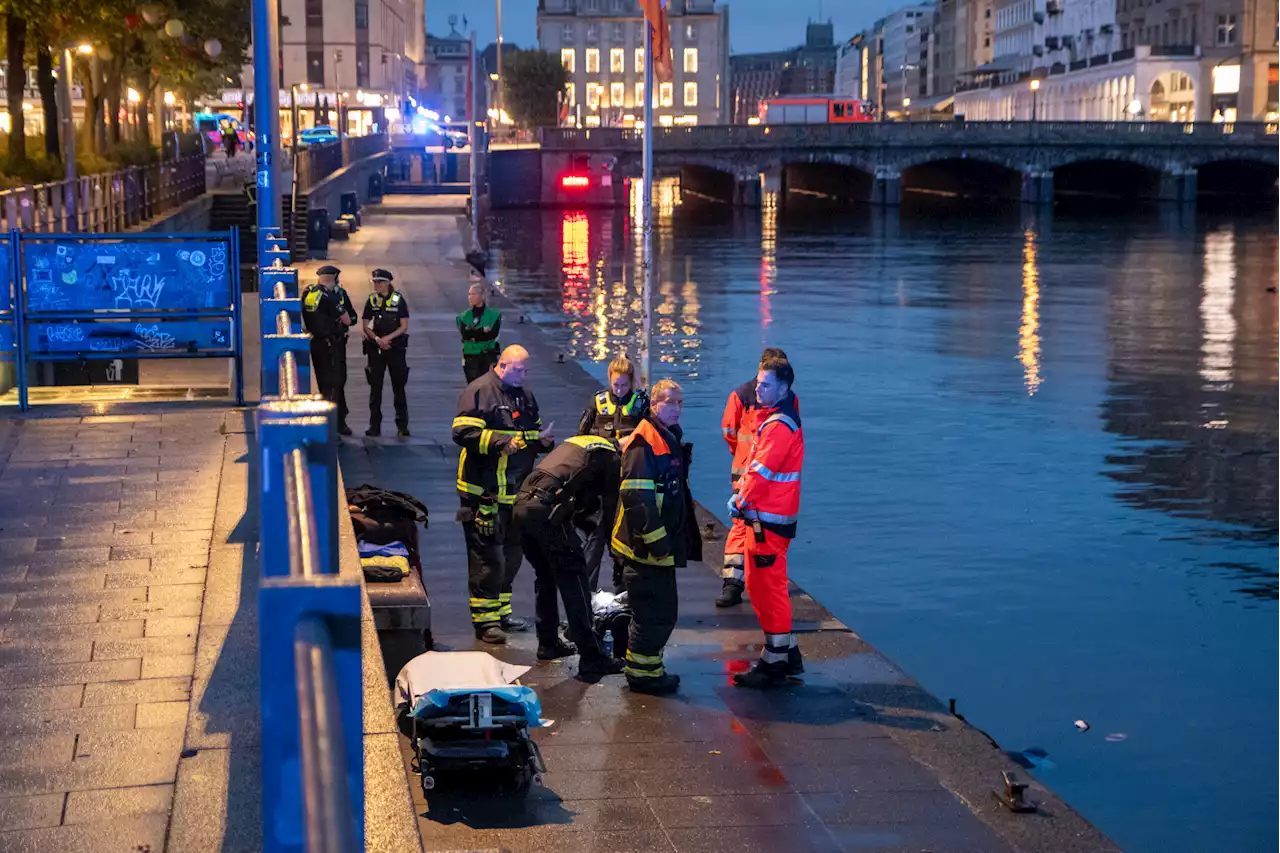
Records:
x=857, y=758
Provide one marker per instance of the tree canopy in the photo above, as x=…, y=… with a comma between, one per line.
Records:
x=532, y=82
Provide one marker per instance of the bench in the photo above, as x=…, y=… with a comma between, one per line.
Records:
x=402, y=617
x=340, y=229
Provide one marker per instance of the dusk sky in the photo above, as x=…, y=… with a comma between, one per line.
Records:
x=754, y=25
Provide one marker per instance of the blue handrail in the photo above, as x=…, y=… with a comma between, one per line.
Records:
x=309, y=616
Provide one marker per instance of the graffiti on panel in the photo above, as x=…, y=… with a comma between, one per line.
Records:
x=135, y=276
x=189, y=336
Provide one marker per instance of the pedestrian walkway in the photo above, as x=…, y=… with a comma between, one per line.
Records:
x=859, y=758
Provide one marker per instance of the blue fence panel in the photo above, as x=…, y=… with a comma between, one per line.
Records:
x=152, y=337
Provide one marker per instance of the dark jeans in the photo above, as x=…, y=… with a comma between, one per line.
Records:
x=382, y=362
x=492, y=564
x=329, y=369
x=556, y=556
x=475, y=366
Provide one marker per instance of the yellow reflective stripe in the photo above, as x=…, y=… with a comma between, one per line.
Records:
x=482, y=603
x=589, y=442
x=647, y=485
x=503, y=496
x=466, y=421
x=532, y=434
x=660, y=533
x=651, y=660
x=486, y=436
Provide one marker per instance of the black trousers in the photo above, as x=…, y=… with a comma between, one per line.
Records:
x=492, y=564
x=594, y=548
x=651, y=593
x=475, y=366
x=380, y=363
x=558, y=567
x=329, y=368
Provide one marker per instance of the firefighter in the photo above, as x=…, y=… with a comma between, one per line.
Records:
x=612, y=414
x=649, y=539
x=327, y=314
x=741, y=417
x=768, y=500
x=479, y=326
x=501, y=434
x=386, y=343
x=575, y=477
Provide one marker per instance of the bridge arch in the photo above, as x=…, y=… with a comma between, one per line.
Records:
x=1115, y=177
x=960, y=176
x=828, y=177
x=1248, y=178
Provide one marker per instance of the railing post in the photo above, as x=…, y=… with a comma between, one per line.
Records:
x=273, y=347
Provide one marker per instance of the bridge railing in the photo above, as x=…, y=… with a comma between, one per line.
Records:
x=309, y=616
x=889, y=133
x=319, y=161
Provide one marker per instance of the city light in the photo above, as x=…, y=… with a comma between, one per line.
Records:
x=906, y=102
x=1029, y=329
x=85, y=49
x=1035, y=85
x=575, y=182
x=170, y=99
x=133, y=95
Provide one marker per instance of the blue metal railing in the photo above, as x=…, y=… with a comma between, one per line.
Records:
x=308, y=615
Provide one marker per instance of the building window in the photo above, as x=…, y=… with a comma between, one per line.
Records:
x=987, y=13
x=666, y=95
x=592, y=6
x=362, y=16
x=690, y=32
x=1226, y=30
x=690, y=94
x=593, y=60
x=617, y=93
x=639, y=96
x=639, y=60
x=986, y=42
x=617, y=60
x=571, y=95
x=315, y=67
x=619, y=32
x=593, y=32
x=593, y=96
x=566, y=34
x=362, y=71
x=315, y=13
x=569, y=59
x=690, y=60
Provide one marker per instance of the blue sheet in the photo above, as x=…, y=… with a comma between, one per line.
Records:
x=433, y=702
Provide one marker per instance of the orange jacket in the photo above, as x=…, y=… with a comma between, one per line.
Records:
x=739, y=422
x=769, y=490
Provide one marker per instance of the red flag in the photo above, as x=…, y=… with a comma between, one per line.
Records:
x=655, y=13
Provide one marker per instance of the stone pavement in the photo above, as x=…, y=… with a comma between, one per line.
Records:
x=859, y=758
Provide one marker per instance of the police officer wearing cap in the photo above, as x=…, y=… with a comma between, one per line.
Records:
x=386, y=340
x=327, y=313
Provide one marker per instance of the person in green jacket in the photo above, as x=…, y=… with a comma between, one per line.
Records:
x=479, y=326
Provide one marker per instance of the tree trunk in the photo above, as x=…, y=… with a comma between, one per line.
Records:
x=48, y=99
x=93, y=106
x=99, y=126
x=144, y=117
x=115, y=87
x=16, y=40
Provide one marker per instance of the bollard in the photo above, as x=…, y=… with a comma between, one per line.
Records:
x=275, y=346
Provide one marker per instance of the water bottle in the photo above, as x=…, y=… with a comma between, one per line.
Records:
x=608, y=644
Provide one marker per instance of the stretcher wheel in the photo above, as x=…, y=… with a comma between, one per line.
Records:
x=428, y=783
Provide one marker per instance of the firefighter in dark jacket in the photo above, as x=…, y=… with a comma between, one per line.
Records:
x=612, y=414
x=386, y=344
x=479, y=327
x=649, y=537
x=576, y=476
x=501, y=434
x=327, y=314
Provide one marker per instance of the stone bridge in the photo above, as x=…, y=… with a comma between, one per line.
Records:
x=876, y=162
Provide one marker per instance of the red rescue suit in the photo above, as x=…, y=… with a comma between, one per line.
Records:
x=739, y=423
x=768, y=499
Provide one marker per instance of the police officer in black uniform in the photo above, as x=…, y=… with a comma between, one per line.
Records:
x=574, y=477
x=327, y=314
x=386, y=341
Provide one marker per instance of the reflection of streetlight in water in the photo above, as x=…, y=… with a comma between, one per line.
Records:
x=1029, y=331
x=575, y=256
x=1218, y=322
x=768, y=254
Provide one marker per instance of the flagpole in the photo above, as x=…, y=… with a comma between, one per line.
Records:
x=646, y=208
x=473, y=140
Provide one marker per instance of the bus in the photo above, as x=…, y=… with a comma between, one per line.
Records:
x=815, y=109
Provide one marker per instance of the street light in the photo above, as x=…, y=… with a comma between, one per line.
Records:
x=1035, y=89
x=84, y=49
x=906, y=107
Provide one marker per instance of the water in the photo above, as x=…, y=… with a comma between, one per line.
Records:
x=1041, y=463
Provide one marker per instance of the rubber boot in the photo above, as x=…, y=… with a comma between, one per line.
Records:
x=663, y=684
x=512, y=624
x=560, y=649
x=795, y=663
x=731, y=593
x=763, y=676
x=493, y=635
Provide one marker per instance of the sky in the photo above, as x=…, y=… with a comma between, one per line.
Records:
x=754, y=25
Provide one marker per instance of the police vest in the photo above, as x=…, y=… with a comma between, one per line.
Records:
x=322, y=310
x=618, y=421
x=479, y=335
x=386, y=316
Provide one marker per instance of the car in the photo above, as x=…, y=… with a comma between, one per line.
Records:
x=317, y=135
x=213, y=125
x=454, y=139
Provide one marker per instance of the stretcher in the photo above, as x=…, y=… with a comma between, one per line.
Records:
x=464, y=712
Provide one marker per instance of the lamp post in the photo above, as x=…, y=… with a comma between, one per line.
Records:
x=906, y=107
x=1035, y=91
x=69, y=196
x=498, y=65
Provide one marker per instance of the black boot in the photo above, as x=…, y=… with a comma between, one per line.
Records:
x=731, y=594
x=795, y=663
x=763, y=676
x=343, y=429
x=493, y=635
x=403, y=431
x=663, y=684
x=512, y=624
x=373, y=431
x=561, y=648
x=600, y=666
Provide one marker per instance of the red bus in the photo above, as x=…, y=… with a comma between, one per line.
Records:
x=815, y=109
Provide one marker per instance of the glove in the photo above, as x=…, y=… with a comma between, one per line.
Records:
x=515, y=445
x=487, y=518
x=735, y=509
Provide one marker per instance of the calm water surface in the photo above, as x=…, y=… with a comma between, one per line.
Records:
x=1041, y=467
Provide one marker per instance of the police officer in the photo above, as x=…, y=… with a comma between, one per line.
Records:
x=327, y=314
x=386, y=341
x=612, y=414
x=575, y=477
x=501, y=434
x=479, y=326
x=649, y=537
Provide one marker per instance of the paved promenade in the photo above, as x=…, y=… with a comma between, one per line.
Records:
x=859, y=758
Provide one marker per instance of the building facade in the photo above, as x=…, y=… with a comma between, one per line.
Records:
x=447, y=70
x=907, y=53
x=755, y=78
x=809, y=69
x=601, y=44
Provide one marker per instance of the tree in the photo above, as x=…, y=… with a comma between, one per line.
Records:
x=533, y=81
x=15, y=32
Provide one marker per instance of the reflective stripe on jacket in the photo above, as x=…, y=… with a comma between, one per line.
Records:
x=739, y=423
x=610, y=419
x=769, y=490
x=490, y=417
x=649, y=525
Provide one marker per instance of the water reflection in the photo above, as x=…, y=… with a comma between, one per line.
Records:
x=768, y=255
x=1217, y=306
x=1029, y=330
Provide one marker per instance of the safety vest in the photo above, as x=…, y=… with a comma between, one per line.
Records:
x=769, y=491
x=618, y=421
x=322, y=310
x=480, y=336
x=386, y=317
x=650, y=516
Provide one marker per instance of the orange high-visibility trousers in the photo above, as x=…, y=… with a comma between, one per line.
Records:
x=735, y=549
x=766, y=569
